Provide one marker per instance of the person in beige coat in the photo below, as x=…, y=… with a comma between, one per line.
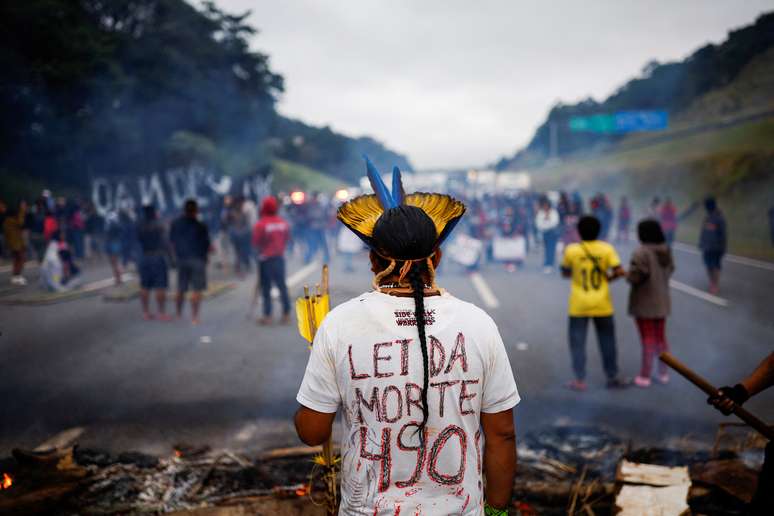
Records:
x=649, y=303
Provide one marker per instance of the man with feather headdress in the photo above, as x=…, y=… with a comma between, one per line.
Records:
x=423, y=379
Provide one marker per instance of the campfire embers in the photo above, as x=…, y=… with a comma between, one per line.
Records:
x=568, y=469
x=187, y=451
x=572, y=469
x=561, y=452
x=80, y=481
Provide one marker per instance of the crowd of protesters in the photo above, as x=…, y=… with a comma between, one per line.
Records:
x=550, y=222
x=507, y=227
x=237, y=235
x=585, y=239
x=66, y=228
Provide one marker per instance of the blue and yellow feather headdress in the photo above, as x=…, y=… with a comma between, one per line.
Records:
x=361, y=213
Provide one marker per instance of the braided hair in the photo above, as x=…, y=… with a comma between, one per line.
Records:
x=418, y=287
x=406, y=233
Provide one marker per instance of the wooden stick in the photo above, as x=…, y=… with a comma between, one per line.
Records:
x=309, y=313
x=311, y=298
x=708, y=388
x=328, y=446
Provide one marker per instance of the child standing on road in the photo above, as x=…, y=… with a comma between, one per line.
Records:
x=592, y=264
x=649, y=303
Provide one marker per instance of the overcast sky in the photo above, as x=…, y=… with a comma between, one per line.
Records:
x=456, y=83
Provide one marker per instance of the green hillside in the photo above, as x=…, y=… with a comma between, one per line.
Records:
x=287, y=176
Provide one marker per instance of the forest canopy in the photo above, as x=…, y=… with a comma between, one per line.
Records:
x=124, y=87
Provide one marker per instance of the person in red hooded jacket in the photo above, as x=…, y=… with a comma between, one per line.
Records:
x=270, y=238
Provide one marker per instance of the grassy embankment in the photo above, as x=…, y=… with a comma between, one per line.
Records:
x=736, y=164
x=287, y=176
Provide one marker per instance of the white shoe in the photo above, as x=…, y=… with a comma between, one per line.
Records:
x=548, y=270
x=18, y=280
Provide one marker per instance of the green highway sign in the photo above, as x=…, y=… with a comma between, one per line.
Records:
x=620, y=122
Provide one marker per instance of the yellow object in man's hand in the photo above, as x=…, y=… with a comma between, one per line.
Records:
x=318, y=306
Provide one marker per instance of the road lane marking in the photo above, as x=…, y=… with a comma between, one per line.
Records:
x=484, y=292
x=687, y=289
x=100, y=284
x=741, y=260
x=27, y=265
x=296, y=278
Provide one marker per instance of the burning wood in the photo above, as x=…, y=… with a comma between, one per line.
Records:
x=563, y=469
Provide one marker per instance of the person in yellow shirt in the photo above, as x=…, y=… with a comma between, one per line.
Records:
x=591, y=265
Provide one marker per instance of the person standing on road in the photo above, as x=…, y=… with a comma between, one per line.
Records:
x=649, y=303
x=606, y=210
x=591, y=264
x=654, y=210
x=712, y=242
x=239, y=232
x=128, y=236
x=270, y=238
x=547, y=223
x=423, y=378
x=725, y=400
x=668, y=218
x=35, y=224
x=13, y=231
x=191, y=243
x=114, y=244
x=76, y=228
x=153, y=264
x=624, y=220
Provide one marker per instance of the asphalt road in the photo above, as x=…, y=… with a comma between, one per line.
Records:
x=136, y=385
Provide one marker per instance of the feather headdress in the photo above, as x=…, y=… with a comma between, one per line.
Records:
x=361, y=213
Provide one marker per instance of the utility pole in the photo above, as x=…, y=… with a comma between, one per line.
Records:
x=553, y=140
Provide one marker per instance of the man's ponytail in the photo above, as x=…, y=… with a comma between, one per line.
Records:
x=418, y=288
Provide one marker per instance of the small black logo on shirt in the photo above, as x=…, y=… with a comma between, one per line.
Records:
x=406, y=317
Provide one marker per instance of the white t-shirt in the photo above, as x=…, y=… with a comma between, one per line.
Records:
x=367, y=358
x=546, y=220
